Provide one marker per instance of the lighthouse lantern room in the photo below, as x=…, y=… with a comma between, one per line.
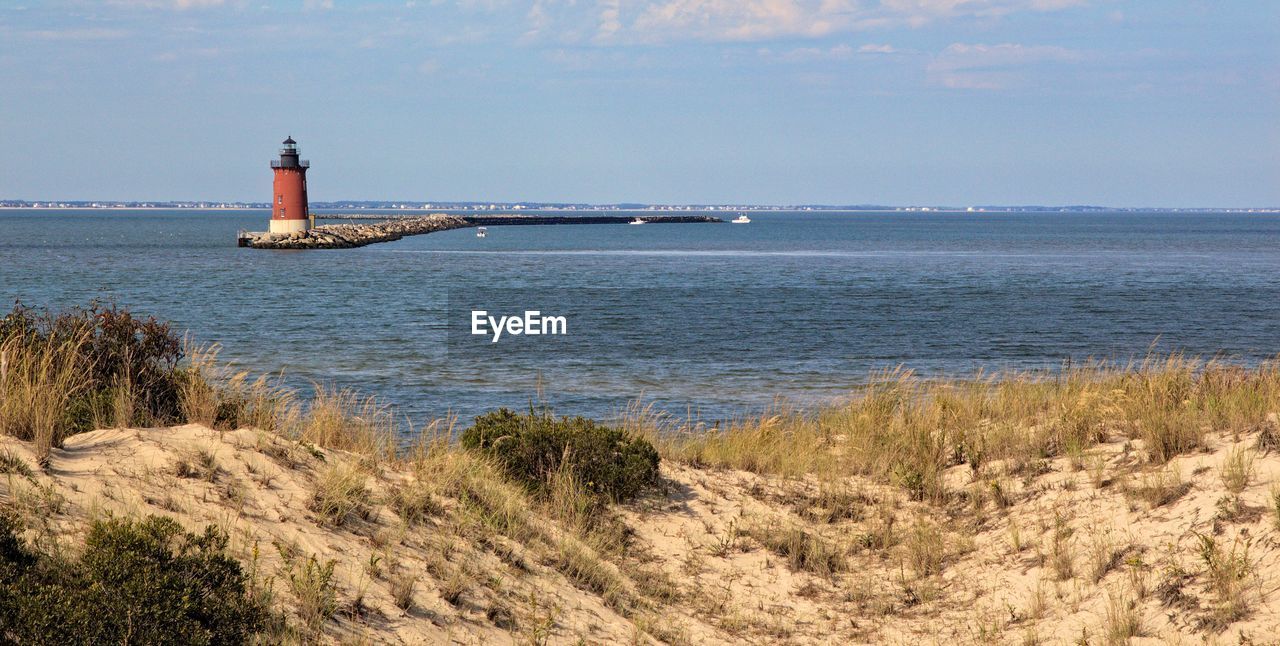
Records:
x=289, y=211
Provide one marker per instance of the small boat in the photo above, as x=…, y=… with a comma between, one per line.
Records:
x=482, y=232
x=636, y=221
x=741, y=219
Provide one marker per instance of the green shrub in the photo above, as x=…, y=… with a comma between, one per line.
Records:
x=530, y=448
x=145, y=582
x=122, y=355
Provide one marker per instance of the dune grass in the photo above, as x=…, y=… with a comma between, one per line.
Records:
x=38, y=381
x=907, y=430
x=902, y=432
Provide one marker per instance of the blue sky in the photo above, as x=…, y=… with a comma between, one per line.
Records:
x=1127, y=103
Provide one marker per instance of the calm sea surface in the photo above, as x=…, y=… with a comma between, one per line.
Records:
x=716, y=320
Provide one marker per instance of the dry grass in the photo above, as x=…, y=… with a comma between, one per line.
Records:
x=402, y=588
x=340, y=419
x=1237, y=470
x=38, y=382
x=487, y=501
x=804, y=550
x=312, y=583
x=1123, y=620
x=929, y=451
x=1161, y=487
x=1275, y=505
x=905, y=430
x=340, y=493
x=12, y=464
x=1229, y=576
x=1105, y=555
x=926, y=549
x=588, y=571
x=219, y=396
x=414, y=502
x=1062, y=546
x=201, y=464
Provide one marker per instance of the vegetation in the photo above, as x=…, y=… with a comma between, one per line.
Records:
x=1229, y=572
x=136, y=582
x=1123, y=622
x=874, y=501
x=313, y=586
x=904, y=430
x=86, y=368
x=531, y=448
x=339, y=494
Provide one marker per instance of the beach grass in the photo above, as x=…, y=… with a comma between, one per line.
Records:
x=905, y=470
x=907, y=430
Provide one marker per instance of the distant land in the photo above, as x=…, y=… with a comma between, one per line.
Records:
x=423, y=205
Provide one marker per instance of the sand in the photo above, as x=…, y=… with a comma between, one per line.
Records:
x=1002, y=568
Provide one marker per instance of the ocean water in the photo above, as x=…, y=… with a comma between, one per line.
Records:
x=713, y=321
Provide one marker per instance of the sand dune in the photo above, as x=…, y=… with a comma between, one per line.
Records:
x=1097, y=551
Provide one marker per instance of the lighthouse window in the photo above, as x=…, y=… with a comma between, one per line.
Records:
x=280, y=199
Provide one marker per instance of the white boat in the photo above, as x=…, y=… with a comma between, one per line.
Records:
x=482, y=232
x=636, y=221
x=741, y=219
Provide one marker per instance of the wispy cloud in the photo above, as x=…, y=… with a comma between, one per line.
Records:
x=741, y=20
x=993, y=67
x=808, y=54
x=169, y=4
x=189, y=54
x=77, y=34
x=610, y=20
x=568, y=21
x=755, y=20
x=920, y=12
x=873, y=48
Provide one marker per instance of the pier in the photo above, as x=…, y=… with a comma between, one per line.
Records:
x=384, y=228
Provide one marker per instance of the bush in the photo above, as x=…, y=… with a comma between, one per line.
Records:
x=122, y=358
x=531, y=448
x=145, y=582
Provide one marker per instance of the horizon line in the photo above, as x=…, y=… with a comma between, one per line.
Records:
x=531, y=205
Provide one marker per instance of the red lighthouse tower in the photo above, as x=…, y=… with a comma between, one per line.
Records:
x=289, y=211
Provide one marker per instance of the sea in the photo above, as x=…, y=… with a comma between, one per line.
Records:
x=704, y=321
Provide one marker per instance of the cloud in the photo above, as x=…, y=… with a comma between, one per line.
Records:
x=740, y=20
x=808, y=54
x=961, y=56
x=755, y=20
x=429, y=67
x=89, y=33
x=872, y=48
x=921, y=12
x=187, y=54
x=167, y=4
x=610, y=20
x=993, y=67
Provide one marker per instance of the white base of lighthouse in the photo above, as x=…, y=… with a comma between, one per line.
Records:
x=288, y=226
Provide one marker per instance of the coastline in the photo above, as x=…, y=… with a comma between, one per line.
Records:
x=440, y=547
x=1129, y=502
x=749, y=209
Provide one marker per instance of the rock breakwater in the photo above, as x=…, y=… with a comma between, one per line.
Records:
x=348, y=236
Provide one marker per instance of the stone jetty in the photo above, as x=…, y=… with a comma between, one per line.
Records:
x=348, y=236
x=387, y=228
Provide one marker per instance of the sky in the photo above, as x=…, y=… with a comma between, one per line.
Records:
x=1111, y=102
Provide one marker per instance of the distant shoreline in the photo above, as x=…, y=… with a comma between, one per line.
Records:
x=756, y=209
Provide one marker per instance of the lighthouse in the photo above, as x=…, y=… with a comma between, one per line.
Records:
x=289, y=211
